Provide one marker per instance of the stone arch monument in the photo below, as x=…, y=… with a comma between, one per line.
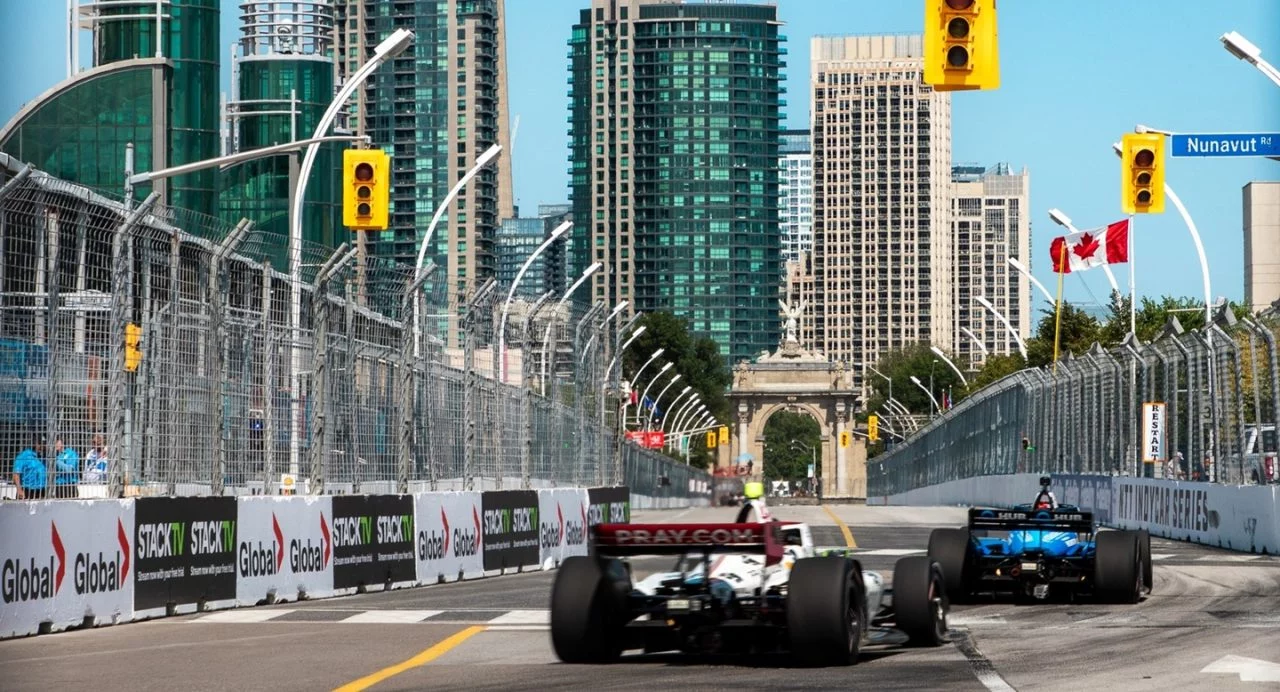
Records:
x=802, y=381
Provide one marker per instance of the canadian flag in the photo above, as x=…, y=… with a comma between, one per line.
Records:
x=1091, y=248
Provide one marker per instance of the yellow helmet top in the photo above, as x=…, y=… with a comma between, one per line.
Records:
x=753, y=490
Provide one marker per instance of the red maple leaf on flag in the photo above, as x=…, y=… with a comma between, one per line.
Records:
x=1087, y=246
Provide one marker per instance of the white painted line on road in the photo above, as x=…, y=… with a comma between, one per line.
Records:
x=242, y=616
x=889, y=551
x=1155, y=557
x=391, y=617
x=1228, y=558
x=523, y=617
x=983, y=668
x=975, y=620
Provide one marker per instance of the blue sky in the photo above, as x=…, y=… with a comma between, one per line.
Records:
x=1074, y=77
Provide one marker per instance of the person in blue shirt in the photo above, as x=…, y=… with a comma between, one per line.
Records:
x=67, y=464
x=29, y=473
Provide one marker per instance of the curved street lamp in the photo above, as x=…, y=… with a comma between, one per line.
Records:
x=645, y=395
x=501, y=354
x=551, y=323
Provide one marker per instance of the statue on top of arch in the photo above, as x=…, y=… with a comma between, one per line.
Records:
x=792, y=313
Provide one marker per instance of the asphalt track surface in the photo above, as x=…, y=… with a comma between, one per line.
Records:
x=491, y=634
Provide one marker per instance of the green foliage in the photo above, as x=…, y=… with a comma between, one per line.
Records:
x=996, y=368
x=696, y=359
x=782, y=460
x=921, y=362
x=1079, y=331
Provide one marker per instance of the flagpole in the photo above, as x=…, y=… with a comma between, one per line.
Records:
x=1057, y=327
x=1133, y=298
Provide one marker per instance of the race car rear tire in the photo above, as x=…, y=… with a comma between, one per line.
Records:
x=920, y=601
x=950, y=549
x=587, y=611
x=1144, y=554
x=825, y=621
x=1117, y=569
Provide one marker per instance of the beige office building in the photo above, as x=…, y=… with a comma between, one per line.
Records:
x=990, y=222
x=1261, y=244
x=881, y=169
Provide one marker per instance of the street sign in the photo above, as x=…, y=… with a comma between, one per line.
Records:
x=1229, y=144
x=1153, y=425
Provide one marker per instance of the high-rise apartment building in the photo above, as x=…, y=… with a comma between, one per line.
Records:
x=795, y=212
x=990, y=223
x=436, y=108
x=517, y=240
x=675, y=110
x=1261, y=244
x=881, y=166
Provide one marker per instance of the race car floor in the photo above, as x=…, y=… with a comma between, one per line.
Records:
x=1212, y=623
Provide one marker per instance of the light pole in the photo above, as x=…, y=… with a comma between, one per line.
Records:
x=800, y=446
x=1242, y=48
x=500, y=355
x=978, y=342
x=546, y=338
x=393, y=45
x=688, y=428
x=916, y=380
x=690, y=413
x=676, y=407
x=872, y=368
x=690, y=405
x=632, y=385
x=645, y=395
x=653, y=411
x=1022, y=347
x=1065, y=221
x=938, y=352
x=1022, y=269
x=617, y=310
x=608, y=373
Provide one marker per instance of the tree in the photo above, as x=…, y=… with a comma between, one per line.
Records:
x=1079, y=331
x=900, y=366
x=782, y=460
x=696, y=358
x=995, y=368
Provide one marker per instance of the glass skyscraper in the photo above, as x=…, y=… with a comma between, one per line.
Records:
x=676, y=111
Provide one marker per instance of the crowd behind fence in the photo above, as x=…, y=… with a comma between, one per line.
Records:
x=356, y=376
x=1220, y=386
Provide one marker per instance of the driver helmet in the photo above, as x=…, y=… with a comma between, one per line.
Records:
x=1043, y=504
x=753, y=490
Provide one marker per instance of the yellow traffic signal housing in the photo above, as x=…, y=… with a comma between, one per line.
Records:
x=711, y=440
x=845, y=438
x=724, y=434
x=961, y=46
x=873, y=428
x=132, y=347
x=366, y=189
x=1142, y=173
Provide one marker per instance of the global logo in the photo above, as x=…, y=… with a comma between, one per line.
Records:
x=31, y=580
x=305, y=555
x=465, y=541
x=555, y=535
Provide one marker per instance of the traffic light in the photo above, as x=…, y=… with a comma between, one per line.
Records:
x=132, y=347
x=366, y=189
x=961, y=48
x=1142, y=173
x=873, y=428
x=845, y=438
x=724, y=434
x=711, y=440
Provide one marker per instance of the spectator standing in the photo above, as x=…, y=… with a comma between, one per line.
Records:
x=95, y=462
x=28, y=472
x=67, y=465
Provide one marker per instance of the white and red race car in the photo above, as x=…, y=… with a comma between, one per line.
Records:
x=768, y=591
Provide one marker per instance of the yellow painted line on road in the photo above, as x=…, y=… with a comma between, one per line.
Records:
x=844, y=528
x=423, y=658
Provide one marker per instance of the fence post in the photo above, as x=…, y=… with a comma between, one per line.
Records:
x=470, y=323
x=406, y=391
x=580, y=389
x=1274, y=363
x=52, y=412
x=320, y=356
x=121, y=309
x=526, y=395
x=215, y=353
x=268, y=386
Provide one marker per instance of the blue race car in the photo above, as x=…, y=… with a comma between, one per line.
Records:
x=1042, y=547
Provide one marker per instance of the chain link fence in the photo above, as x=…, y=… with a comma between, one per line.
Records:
x=356, y=375
x=1220, y=386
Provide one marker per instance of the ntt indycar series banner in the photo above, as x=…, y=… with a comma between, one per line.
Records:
x=373, y=540
x=285, y=549
x=562, y=524
x=186, y=548
x=64, y=560
x=510, y=522
x=449, y=536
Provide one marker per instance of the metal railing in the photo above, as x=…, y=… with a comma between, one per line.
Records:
x=231, y=396
x=1220, y=385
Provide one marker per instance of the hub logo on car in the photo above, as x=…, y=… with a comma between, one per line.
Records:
x=35, y=578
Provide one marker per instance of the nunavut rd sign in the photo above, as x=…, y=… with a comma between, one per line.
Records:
x=1236, y=144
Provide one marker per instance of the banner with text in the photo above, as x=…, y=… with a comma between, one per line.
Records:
x=373, y=540
x=562, y=528
x=1153, y=422
x=63, y=561
x=510, y=522
x=186, y=551
x=285, y=549
x=608, y=505
x=1088, y=492
x=1231, y=516
x=449, y=536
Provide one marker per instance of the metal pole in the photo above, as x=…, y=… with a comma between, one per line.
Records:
x=269, y=354
x=215, y=354
x=406, y=390
x=581, y=385
x=526, y=397
x=470, y=323
x=320, y=388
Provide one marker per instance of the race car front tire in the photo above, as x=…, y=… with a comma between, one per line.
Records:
x=1144, y=554
x=920, y=601
x=950, y=549
x=588, y=610
x=1117, y=569
x=825, y=621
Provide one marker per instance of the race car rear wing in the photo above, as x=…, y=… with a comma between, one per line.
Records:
x=623, y=540
x=1015, y=520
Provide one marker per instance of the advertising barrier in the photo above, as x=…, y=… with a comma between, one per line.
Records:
x=562, y=525
x=65, y=563
x=373, y=541
x=186, y=553
x=1089, y=493
x=449, y=539
x=1237, y=517
x=510, y=522
x=285, y=549
x=608, y=505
